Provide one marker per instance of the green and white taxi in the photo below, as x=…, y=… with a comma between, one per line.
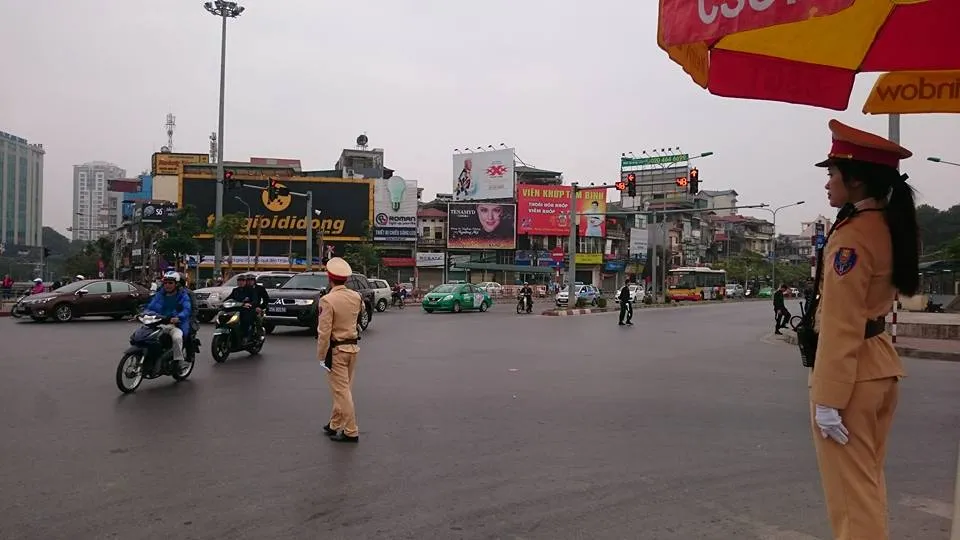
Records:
x=456, y=297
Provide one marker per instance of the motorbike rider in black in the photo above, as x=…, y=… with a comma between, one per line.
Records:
x=194, y=324
x=246, y=293
x=262, y=296
x=527, y=293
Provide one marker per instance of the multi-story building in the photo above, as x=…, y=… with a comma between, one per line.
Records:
x=95, y=211
x=21, y=191
x=722, y=203
x=736, y=234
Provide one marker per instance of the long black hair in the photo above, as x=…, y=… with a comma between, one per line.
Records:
x=888, y=186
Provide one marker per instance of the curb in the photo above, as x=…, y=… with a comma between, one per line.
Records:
x=616, y=308
x=911, y=352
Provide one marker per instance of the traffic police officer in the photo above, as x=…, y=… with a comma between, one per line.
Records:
x=337, y=347
x=871, y=254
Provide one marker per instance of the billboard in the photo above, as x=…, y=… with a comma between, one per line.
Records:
x=162, y=213
x=545, y=210
x=345, y=204
x=483, y=175
x=165, y=163
x=639, y=244
x=428, y=260
x=395, y=210
x=481, y=226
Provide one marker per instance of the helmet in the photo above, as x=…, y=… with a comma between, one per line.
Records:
x=37, y=280
x=525, y=283
x=79, y=277
x=172, y=276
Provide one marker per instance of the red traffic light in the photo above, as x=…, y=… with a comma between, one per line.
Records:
x=631, y=177
x=228, y=175
x=694, y=174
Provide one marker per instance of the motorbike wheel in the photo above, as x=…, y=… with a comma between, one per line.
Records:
x=220, y=348
x=795, y=321
x=381, y=305
x=520, y=308
x=14, y=313
x=130, y=372
x=258, y=341
x=186, y=368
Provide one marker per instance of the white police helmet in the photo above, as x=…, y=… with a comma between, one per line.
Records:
x=172, y=276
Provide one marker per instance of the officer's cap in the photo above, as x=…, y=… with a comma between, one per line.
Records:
x=338, y=269
x=852, y=143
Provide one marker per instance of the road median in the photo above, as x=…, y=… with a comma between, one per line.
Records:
x=616, y=307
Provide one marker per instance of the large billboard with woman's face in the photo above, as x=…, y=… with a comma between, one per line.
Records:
x=481, y=226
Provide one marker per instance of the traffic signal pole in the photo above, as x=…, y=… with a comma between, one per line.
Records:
x=572, y=248
x=309, y=217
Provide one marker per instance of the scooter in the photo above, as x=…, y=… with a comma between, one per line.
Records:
x=151, y=355
x=524, y=304
x=227, y=337
x=933, y=308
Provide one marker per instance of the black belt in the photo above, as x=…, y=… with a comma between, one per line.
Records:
x=875, y=327
x=344, y=342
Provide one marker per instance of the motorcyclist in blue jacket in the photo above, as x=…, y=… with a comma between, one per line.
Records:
x=172, y=301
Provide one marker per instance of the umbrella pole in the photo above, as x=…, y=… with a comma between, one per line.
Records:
x=893, y=133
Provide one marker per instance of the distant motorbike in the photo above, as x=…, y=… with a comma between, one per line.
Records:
x=227, y=337
x=397, y=300
x=19, y=309
x=524, y=304
x=151, y=355
x=933, y=308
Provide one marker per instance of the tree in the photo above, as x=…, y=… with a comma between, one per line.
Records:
x=230, y=226
x=952, y=249
x=363, y=254
x=179, y=241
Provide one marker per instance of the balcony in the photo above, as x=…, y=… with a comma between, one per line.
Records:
x=431, y=242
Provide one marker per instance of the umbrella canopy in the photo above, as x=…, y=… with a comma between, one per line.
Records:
x=814, y=59
x=915, y=92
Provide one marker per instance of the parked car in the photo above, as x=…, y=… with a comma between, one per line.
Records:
x=91, y=297
x=209, y=299
x=456, y=298
x=382, y=293
x=734, y=290
x=492, y=288
x=588, y=293
x=295, y=302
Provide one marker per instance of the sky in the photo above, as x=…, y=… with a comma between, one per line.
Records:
x=570, y=84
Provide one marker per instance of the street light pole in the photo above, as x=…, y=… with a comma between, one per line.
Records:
x=249, y=220
x=572, y=249
x=223, y=9
x=945, y=162
x=773, y=273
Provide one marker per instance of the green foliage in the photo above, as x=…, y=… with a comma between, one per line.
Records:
x=939, y=229
x=230, y=226
x=601, y=302
x=363, y=255
x=752, y=266
x=952, y=249
x=178, y=241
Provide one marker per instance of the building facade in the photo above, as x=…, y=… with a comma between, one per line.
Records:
x=95, y=211
x=21, y=191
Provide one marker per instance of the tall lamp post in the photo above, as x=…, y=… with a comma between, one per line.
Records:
x=773, y=273
x=945, y=162
x=225, y=10
x=243, y=202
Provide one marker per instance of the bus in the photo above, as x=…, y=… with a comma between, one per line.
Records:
x=696, y=283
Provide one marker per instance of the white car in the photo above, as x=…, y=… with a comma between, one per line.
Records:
x=382, y=293
x=636, y=294
x=734, y=290
x=492, y=288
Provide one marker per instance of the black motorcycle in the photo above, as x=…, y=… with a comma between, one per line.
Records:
x=524, y=304
x=933, y=307
x=227, y=337
x=151, y=355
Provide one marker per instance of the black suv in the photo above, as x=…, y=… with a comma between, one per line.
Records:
x=295, y=302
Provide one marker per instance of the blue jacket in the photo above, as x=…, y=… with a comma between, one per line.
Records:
x=184, y=308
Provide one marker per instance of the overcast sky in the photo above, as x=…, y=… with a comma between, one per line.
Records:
x=570, y=84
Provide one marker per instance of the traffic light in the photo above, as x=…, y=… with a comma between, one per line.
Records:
x=632, y=184
x=694, y=181
x=228, y=179
x=272, y=190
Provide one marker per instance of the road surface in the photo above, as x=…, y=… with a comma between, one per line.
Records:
x=691, y=424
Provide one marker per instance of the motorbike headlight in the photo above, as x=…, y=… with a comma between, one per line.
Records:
x=303, y=302
x=234, y=318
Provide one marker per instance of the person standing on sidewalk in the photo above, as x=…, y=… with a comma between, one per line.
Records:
x=626, y=308
x=337, y=347
x=871, y=253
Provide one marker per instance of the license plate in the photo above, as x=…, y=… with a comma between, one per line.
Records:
x=277, y=309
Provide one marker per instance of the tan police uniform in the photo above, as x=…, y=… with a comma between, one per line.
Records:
x=857, y=368
x=337, y=330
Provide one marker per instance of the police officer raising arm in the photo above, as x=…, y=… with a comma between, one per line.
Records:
x=871, y=255
x=337, y=347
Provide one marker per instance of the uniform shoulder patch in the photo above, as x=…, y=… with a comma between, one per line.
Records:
x=845, y=260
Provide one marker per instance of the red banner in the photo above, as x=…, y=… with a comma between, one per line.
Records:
x=545, y=210
x=694, y=21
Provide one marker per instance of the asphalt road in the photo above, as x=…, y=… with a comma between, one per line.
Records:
x=691, y=424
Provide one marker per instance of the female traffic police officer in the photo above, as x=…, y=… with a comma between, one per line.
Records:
x=337, y=347
x=871, y=254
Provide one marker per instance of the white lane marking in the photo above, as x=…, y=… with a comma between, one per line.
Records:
x=929, y=506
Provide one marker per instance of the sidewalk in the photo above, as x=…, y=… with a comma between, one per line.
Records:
x=928, y=349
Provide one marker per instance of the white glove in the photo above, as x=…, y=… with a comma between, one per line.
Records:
x=831, y=425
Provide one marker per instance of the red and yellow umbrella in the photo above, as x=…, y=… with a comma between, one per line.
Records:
x=805, y=51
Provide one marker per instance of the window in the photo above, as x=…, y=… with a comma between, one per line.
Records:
x=99, y=287
x=119, y=287
x=426, y=232
x=438, y=234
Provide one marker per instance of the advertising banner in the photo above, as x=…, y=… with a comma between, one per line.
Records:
x=160, y=213
x=430, y=259
x=481, y=226
x=344, y=205
x=169, y=164
x=395, y=210
x=545, y=210
x=483, y=175
x=639, y=244
x=589, y=258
